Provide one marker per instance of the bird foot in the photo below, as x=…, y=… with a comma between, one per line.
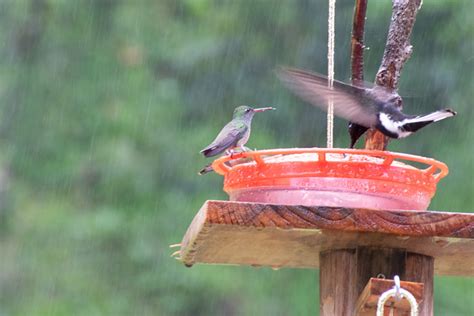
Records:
x=230, y=152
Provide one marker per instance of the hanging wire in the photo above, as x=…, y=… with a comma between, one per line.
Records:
x=398, y=293
x=331, y=32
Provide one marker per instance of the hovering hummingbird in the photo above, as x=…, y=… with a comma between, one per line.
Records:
x=375, y=107
x=235, y=134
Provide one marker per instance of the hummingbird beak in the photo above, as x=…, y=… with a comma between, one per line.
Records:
x=263, y=109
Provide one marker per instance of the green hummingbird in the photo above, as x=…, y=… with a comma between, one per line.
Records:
x=235, y=134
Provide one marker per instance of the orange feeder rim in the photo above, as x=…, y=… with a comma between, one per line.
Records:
x=434, y=168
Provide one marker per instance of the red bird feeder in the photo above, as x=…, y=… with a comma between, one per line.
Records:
x=331, y=177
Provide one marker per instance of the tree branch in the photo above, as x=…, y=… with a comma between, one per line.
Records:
x=397, y=51
x=357, y=43
x=357, y=61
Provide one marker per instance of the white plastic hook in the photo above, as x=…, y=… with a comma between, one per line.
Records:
x=398, y=293
x=396, y=279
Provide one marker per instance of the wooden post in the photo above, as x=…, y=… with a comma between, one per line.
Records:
x=420, y=268
x=344, y=274
x=337, y=282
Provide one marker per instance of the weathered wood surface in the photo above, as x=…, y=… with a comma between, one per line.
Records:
x=337, y=280
x=421, y=269
x=293, y=236
x=367, y=302
x=344, y=273
x=397, y=51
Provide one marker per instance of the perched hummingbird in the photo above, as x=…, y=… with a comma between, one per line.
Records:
x=375, y=107
x=235, y=134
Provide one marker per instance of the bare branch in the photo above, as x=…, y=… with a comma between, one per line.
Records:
x=397, y=51
x=357, y=43
x=398, y=48
x=357, y=61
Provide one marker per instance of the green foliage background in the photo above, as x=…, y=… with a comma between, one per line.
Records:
x=106, y=104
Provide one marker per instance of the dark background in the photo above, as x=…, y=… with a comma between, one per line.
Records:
x=106, y=104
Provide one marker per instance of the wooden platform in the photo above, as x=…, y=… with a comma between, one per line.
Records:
x=293, y=236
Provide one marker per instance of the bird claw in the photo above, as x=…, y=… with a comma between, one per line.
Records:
x=241, y=149
x=244, y=149
x=175, y=254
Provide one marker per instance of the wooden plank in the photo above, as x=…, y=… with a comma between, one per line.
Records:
x=367, y=302
x=293, y=236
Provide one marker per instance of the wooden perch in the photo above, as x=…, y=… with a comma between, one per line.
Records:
x=397, y=51
x=357, y=62
x=357, y=42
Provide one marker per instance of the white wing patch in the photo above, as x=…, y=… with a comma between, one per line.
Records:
x=393, y=126
x=390, y=125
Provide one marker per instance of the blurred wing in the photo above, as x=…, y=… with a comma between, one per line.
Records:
x=349, y=102
x=227, y=138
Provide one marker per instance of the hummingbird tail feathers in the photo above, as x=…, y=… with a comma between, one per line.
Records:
x=206, y=169
x=438, y=115
x=414, y=124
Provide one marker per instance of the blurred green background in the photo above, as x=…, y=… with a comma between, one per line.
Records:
x=106, y=104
